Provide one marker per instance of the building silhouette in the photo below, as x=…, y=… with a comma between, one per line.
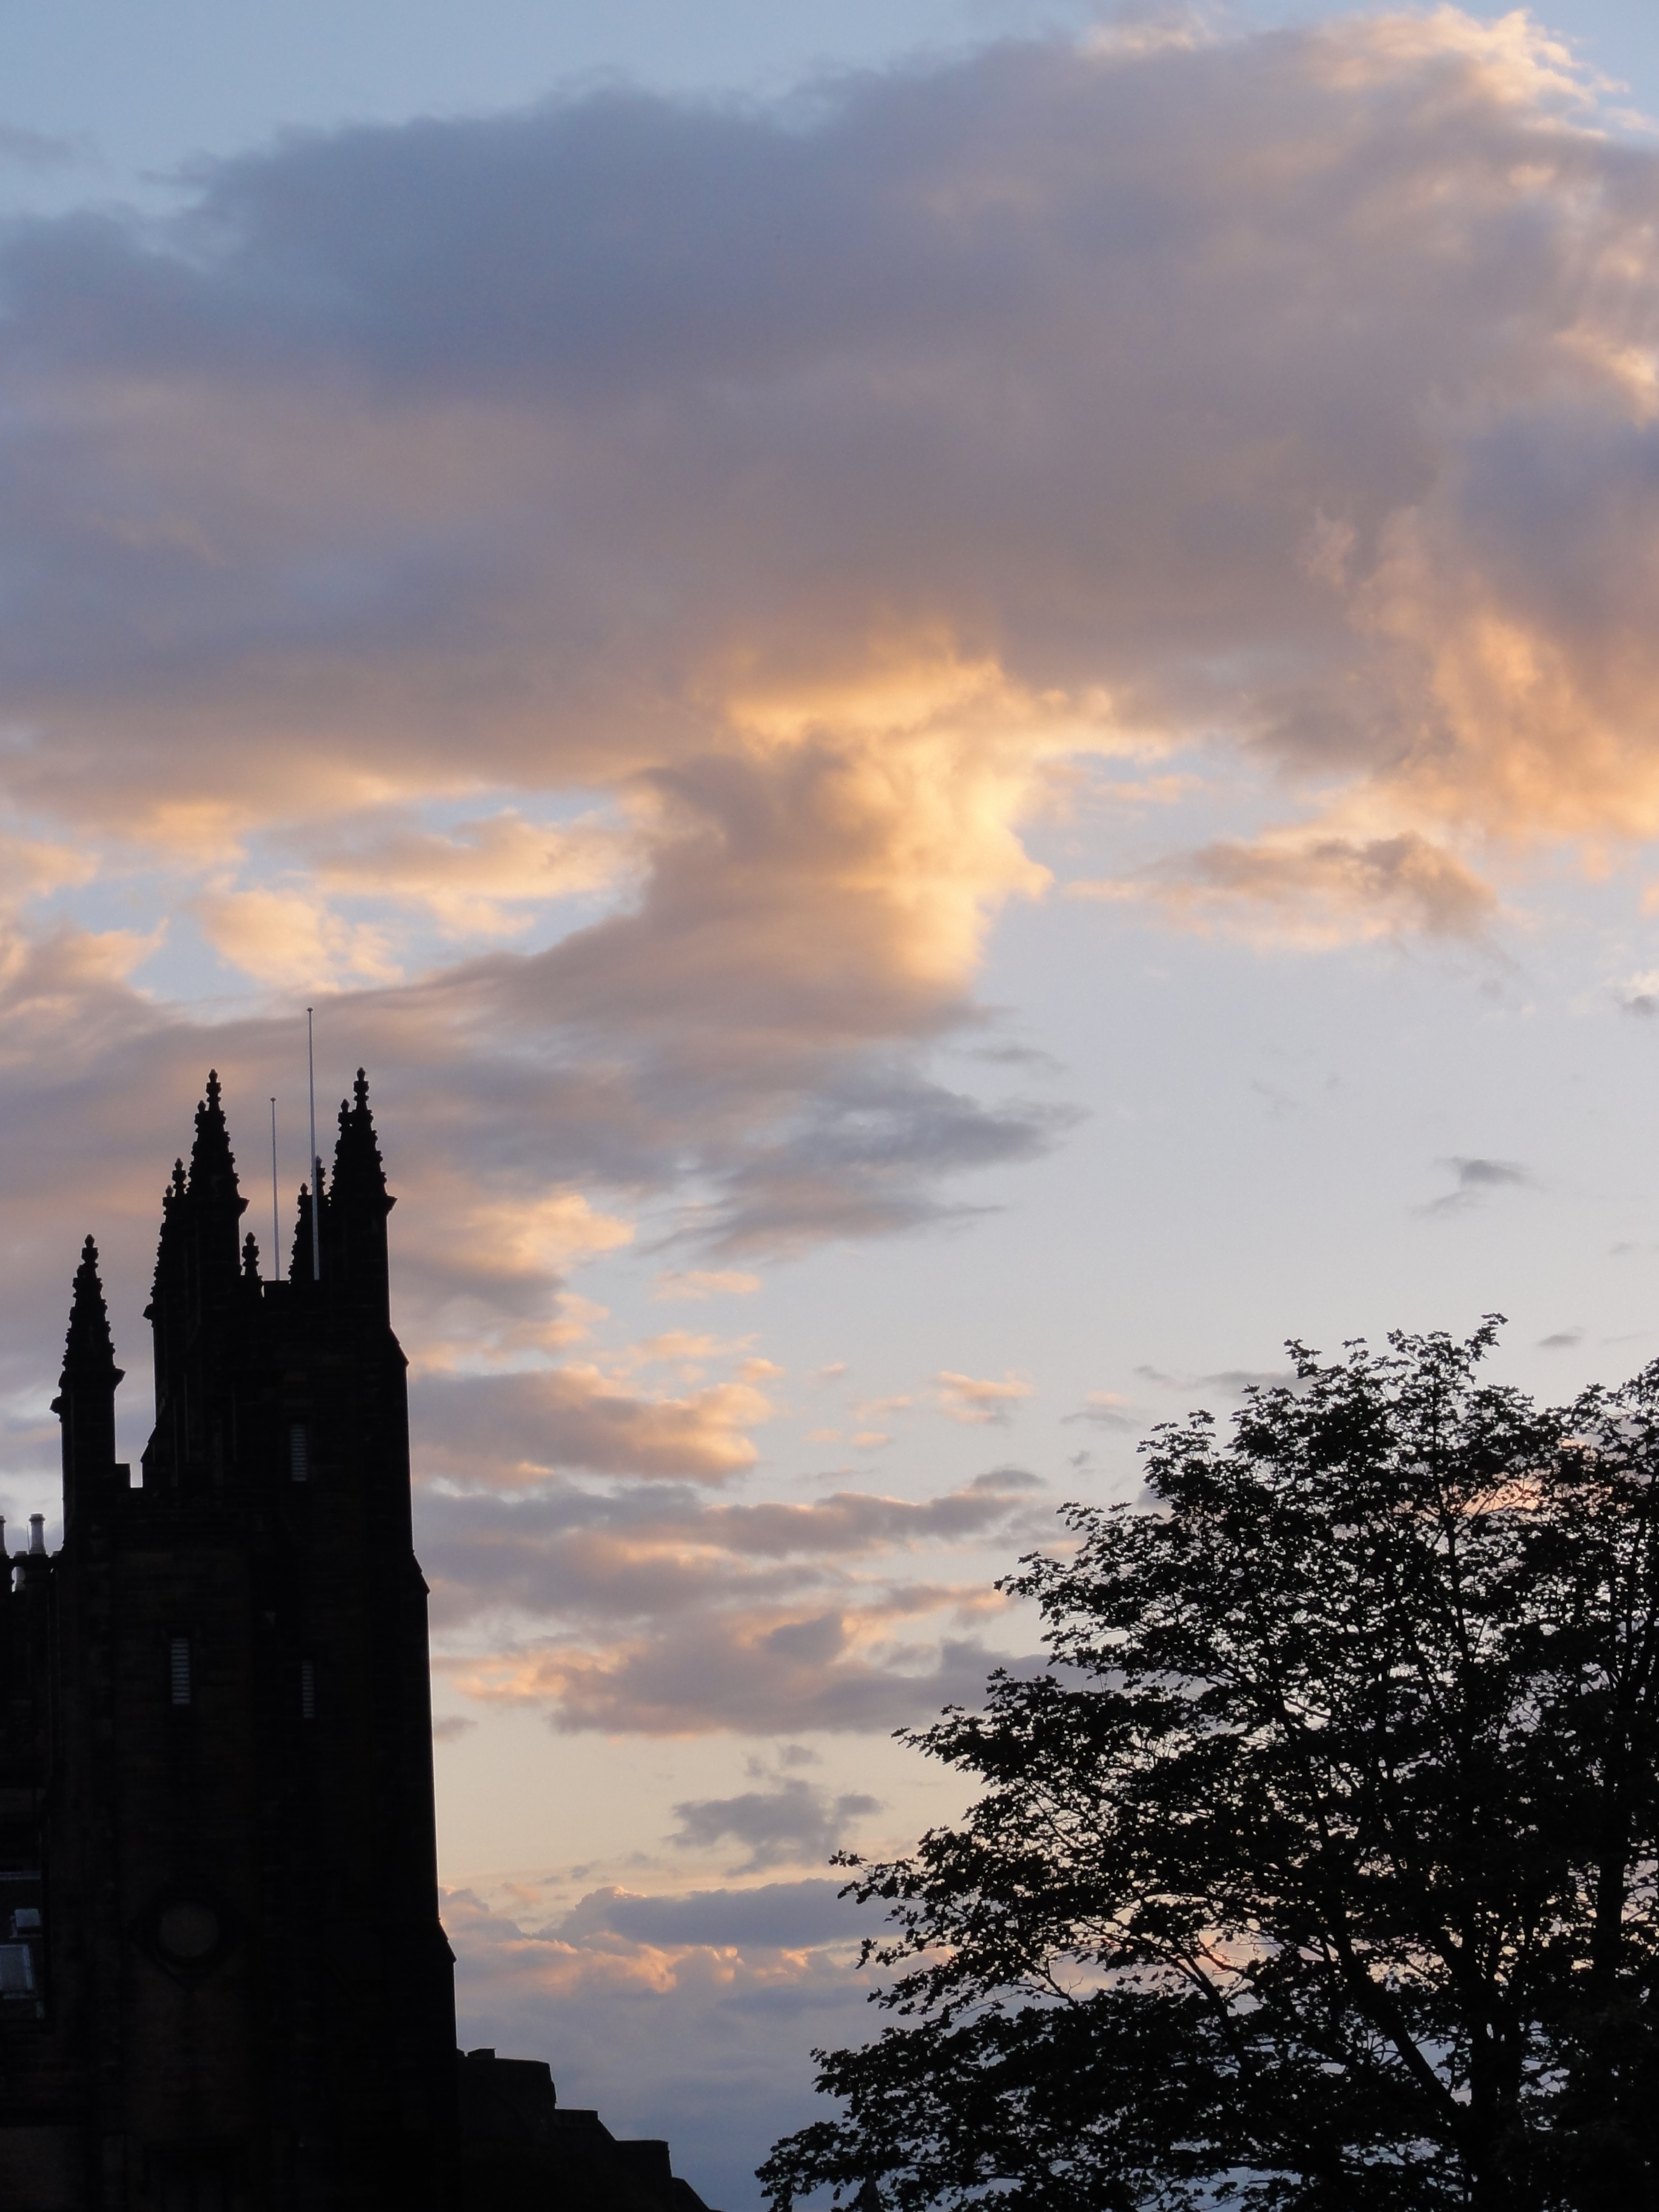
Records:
x=224, y=1985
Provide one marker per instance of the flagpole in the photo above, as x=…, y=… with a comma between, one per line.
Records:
x=275, y=1230
x=316, y=1195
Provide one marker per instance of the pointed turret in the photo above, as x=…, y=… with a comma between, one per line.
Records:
x=217, y=1204
x=198, y=1291
x=358, y=1204
x=85, y=1403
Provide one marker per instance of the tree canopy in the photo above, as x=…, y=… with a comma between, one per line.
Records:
x=1318, y=1868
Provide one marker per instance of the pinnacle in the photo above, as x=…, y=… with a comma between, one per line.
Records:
x=89, y=1345
x=211, y=1156
x=358, y=1171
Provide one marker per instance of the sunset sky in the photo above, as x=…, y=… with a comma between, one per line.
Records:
x=961, y=702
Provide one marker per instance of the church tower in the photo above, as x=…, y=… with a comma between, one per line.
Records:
x=223, y=1982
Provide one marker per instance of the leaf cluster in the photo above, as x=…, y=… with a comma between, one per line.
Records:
x=1317, y=1869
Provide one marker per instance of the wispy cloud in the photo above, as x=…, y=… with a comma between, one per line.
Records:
x=1475, y=1180
x=976, y=1400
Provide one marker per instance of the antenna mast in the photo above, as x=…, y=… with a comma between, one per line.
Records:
x=316, y=1164
x=276, y=1232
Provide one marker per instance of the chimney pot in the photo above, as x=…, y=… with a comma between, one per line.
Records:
x=37, y=1534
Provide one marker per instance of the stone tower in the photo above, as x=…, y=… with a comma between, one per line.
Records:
x=223, y=1982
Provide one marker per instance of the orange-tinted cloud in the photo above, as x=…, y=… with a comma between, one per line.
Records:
x=608, y=594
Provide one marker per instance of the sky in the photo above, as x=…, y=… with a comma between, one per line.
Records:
x=960, y=702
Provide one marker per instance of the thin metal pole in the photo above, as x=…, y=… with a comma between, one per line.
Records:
x=316, y=1239
x=276, y=1231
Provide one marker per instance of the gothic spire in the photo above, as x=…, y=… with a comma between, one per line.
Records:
x=358, y=1204
x=89, y=1353
x=85, y=1403
x=359, y=1173
x=212, y=1164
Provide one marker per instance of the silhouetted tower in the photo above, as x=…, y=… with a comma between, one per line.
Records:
x=228, y=1991
x=85, y=1404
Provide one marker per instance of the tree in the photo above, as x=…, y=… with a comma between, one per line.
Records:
x=1318, y=1869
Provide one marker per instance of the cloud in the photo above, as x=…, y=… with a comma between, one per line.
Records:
x=1475, y=1179
x=1235, y=1380
x=428, y=491
x=775, y=1916
x=1104, y=1409
x=515, y=1428
x=1305, y=886
x=693, y=544
x=697, y=1283
x=37, y=150
x=744, y=1677
x=483, y=876
x=970, y=1399
x=648, y=1553
x=290, y=939
x=651, y=1607
x=793, y=1824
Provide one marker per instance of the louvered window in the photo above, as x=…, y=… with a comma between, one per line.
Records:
x=307, y=1690
x=179, y=1669
x=298, y=1452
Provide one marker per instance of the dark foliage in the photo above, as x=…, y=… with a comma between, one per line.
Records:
x=1319, y=1869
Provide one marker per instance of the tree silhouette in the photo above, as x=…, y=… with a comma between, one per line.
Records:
x=1318, y=1869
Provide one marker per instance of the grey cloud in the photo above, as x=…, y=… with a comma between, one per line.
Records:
x=641, y=305
x=673, y=1613
x=1235, y=1380
x=721, y=1674
x=670, y=1614
x=1563, y=1339
x=39, y=150
x=1103, y=1415
x=775, y=1915
x=540, y=452
x=1422, y=887
x=1475, y=1178
x=795, y=1822
x=537, y=452
x=641, y=1552
x=1488, y=1174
